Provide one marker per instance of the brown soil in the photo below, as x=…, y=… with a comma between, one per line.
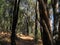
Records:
x=21, y=40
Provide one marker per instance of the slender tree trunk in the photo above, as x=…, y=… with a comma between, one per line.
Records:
x=14, y=23
x=54, y=12
x=42, y=8
x=54, y=2
x=59, y=29
x=44, y=22
x=27, y=27
x=46, y=37
x=58, y=40
x=36, y=31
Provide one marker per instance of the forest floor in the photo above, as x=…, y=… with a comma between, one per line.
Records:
x=22, y=39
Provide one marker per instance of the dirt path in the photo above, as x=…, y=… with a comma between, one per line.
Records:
x=21, y=40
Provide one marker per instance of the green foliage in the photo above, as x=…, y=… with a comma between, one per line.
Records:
x=26, y=9
x=48, y=1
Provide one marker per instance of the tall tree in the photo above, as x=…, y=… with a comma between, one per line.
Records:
x=54, y=2
x=59, y=29
x=44, y=22
x=58, y=40
x=27, y=26
x=36, y=23
x=14, y=23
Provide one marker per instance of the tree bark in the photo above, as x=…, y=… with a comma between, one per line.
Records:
x=44, y=22
x=58, y=40
x=27, y=26
x=46, y=37
x=14, y=23
x=36, y=31
x=42, y=8
x=54, y=2
x=59, y=29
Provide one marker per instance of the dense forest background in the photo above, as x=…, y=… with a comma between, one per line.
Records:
x=26, y=14
x=30, y=22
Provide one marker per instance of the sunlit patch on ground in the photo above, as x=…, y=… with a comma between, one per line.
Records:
x=23, y=39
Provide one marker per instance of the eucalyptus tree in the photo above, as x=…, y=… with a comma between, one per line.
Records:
x=58, y=40
x=14, y=23
x=36, y=17
x=45, y=23
x=56, y=13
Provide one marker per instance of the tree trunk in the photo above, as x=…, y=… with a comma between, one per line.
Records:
x=46, y=37
x=44, y=22
x=59, y=29
x=27, y=26
x=54, y=2
x=36, y=31
x=58, y=40
x=42, y=9
x=14, y=23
